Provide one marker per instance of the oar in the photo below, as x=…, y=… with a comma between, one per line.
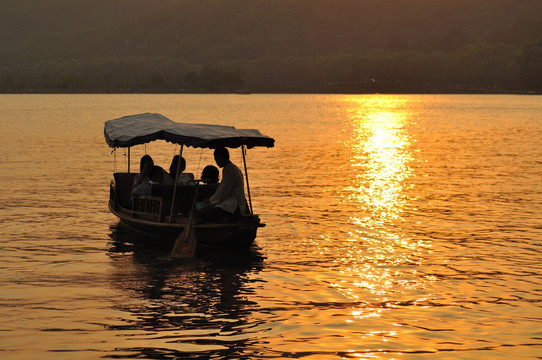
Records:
x=186, y=242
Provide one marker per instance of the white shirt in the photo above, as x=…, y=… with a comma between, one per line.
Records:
x=144, y=188
x=184, y=179
x=231, y=190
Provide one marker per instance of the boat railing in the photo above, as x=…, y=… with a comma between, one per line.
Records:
x=184, y=196
x=123, y=188
x=158, y=206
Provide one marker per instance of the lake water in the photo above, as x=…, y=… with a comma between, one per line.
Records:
x=398, y=227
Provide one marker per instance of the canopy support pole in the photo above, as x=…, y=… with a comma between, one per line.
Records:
x=175, y=185
x=243, y=150
x=114, y=152
x=129, y=159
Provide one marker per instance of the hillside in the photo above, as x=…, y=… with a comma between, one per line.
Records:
x=156, y=44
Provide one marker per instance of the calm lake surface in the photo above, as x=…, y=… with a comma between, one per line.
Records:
x=398, y=227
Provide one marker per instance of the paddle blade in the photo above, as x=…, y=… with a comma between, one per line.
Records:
x=185, y=244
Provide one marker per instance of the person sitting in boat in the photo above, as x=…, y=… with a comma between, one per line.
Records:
x=145, y=165
x=209, y=178
x=156, y=176
x=209, y=175
x=182, y=177
x=228, y=202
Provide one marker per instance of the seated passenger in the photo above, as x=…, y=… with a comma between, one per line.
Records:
x=145, y=165
x=156, y=176
x=182, y=178
x=228, y=202
x=209, y=175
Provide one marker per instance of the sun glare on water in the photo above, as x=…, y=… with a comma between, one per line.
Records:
x=380, y=157
x=376, y=256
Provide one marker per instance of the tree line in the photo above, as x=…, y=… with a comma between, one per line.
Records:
x=474, y=67
x=270, y=45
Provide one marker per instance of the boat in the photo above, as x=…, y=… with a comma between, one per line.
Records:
x=164, y=214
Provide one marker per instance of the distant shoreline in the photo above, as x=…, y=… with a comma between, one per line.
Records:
x=353, y=87
x=292, y=92
x=350, y=87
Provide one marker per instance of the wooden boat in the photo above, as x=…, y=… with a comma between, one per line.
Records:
x=165, y=214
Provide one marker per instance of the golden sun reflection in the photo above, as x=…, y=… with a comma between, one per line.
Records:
x=380, y=157
x=378, y=260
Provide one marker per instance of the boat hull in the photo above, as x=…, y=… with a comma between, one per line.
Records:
x=164, y=233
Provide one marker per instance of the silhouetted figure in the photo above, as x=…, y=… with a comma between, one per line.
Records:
x=209, y=175
x=228, y=202
x=145, y=165
x=156, y=176
x=182, y=178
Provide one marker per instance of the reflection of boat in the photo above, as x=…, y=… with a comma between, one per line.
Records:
x=181, y=309
x=165, y=214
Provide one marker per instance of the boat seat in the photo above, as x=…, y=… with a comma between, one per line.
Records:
x=123, y=185
x=184, y=195
x=145, y=205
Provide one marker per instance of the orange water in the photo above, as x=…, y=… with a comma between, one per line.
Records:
x=398, y=227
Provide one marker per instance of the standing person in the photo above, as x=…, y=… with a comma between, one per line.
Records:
x=229, y=199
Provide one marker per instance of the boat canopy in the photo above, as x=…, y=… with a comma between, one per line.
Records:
x=143, y=128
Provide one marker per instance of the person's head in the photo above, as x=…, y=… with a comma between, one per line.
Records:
x=174, y=163
x=146, y=161
x=222, y=156
x=209, y=174
x=156, y=174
